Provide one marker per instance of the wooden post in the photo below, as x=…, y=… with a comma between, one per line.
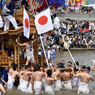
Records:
x=16, y=50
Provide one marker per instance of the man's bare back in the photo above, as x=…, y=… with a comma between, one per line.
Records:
x=37, y=76
x=65, y=76
x=14, y=74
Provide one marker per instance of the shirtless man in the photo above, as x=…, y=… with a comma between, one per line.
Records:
x=49, y=81
x=29, y=50
x=15, y=73
x=10, y=71
x=2, y=89
x=58, y=84
x=84, y=80
x=22, y=70
x=36, y=79
x=66, y=78
x=26, y=78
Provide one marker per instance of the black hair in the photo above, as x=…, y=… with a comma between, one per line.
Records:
x=37, y=67
x=77, y=63
x=60, y=65
x=63, y=69
x=49, y=72
x=75, y=69
x=27, y=66
x=45, y=65
x=70, y=62
x=21, y=67
x=15, y=66
x=12, y=64
x=88, y=69
x=49, y=60
x=83, y=67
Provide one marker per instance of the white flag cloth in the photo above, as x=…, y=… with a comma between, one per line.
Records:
x=43, y=22
x=1, y=22
x=26, y=24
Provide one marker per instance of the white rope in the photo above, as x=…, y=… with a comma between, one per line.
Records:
x=88, y=62
x=69, y=52
x=44, y=50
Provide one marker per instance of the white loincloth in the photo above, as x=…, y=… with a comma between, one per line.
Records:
x=10, y=83
x=9, y=76
x=20, y=85
x=29, y=89
x=43, y=82
x=30, y=55
x=83, y=88
x=75, y=81
x=67, y=84
x=24, y=86
x=38, y=87
x=58, y=85
x=49, y=89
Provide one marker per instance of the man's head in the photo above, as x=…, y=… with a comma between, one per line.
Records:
x=69, y=64
x=37, y=67
x=12, y=65
x=49, y=72
x=83, y=68
x=49, y=61
x=22, y=68
x=15, y=67
x=27, y=67
x=88, y=69
x=77, y=63
x=60, y=65
x=29, y=40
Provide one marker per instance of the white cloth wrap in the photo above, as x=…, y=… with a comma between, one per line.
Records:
x=49, y=89
x=38, y=87
x=43, y=82
x=58, y=85
x=30, y=54
x=20, y=84
x=9, y=76
x=75, y=81
x=24, y=86
x=10, y=83
x=67, y=84
x=83, y=88
x=29, y=89
x=1, y=22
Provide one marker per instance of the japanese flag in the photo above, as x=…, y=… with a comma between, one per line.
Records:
x=43, y=22
x=26, y=24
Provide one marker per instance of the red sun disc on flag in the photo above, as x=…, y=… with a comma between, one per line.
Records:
x=42, y=20
x=26, y=23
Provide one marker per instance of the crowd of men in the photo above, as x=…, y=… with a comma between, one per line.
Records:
x=49, y=78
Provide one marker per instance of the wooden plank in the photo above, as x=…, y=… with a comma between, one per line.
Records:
x=16, y=50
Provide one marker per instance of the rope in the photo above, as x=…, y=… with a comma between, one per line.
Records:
x=88, y=61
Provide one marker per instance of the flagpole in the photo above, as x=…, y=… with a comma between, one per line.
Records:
x=44, y=50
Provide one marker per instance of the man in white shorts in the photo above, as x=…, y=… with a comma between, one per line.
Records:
x=29, y=50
